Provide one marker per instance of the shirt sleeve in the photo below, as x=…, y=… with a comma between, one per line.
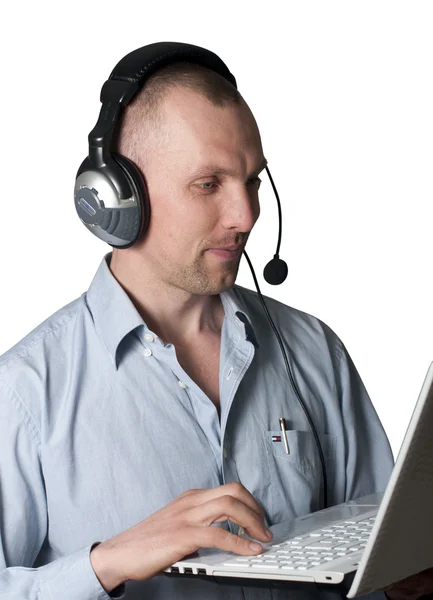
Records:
x=24, y=520
x=369, y=459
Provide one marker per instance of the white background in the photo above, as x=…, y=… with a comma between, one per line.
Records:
x=343, y=95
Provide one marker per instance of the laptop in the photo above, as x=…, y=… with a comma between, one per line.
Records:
x=363, y=545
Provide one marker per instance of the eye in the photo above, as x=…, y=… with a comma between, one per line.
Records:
x=207, y=185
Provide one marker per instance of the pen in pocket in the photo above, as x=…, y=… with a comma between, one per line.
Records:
x=284, y=434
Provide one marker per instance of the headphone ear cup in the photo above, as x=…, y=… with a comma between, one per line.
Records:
x=139, y=191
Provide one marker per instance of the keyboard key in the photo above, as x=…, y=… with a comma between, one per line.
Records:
x=302, y=543
x=322, y=545
x=278, y=545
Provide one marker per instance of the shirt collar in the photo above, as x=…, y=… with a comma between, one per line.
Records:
x=235, y=312
x=115, y=315
x=112, y=310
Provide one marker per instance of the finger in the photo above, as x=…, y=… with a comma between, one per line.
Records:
x=241, y=492
x=216, y=537
x=187, y=493
x=227, y=507
x=235, y=489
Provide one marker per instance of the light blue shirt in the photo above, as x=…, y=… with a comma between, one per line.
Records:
x=100, y=427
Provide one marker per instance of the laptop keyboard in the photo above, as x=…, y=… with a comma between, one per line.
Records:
x=312, y=549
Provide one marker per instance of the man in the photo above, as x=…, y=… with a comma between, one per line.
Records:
x=141, y=415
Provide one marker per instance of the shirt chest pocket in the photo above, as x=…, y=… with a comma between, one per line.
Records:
x=303, y=451
x=295, y=479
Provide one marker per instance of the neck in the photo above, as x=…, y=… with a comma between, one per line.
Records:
x=173, y=314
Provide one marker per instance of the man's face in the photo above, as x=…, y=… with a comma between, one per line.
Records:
x=202, y=179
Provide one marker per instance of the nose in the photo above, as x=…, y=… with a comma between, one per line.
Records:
x=241, y=208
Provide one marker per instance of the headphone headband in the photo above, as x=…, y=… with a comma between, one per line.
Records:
x=127, y=77
x=138, y=65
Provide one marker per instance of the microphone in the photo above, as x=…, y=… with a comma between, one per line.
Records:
x=276, y=270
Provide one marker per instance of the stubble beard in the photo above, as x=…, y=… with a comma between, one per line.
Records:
x=198, y=279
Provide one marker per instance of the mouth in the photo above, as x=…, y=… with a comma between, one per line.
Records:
x=227, y=252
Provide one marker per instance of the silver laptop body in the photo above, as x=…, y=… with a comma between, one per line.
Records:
x=371, y=541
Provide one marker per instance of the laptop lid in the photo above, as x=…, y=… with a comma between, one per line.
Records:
x=401, y=542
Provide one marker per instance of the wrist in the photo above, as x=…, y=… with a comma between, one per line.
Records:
x=104, y=566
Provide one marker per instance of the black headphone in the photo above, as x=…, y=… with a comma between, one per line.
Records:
x=110, y=193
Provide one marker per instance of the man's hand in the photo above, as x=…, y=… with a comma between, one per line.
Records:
x=180, y=528
x=413, y=587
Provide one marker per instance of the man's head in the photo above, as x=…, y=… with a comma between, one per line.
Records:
x=198, y=146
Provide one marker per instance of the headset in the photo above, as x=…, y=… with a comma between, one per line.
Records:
x=110, y=194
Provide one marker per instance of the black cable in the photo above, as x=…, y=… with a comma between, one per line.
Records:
x=280, y=218
x=294, y=386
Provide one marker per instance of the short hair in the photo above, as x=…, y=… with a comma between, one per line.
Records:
x=142, y=116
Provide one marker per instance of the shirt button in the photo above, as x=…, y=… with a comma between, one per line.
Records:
x=148, y=337
x=182, y=384
x=147, y=352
